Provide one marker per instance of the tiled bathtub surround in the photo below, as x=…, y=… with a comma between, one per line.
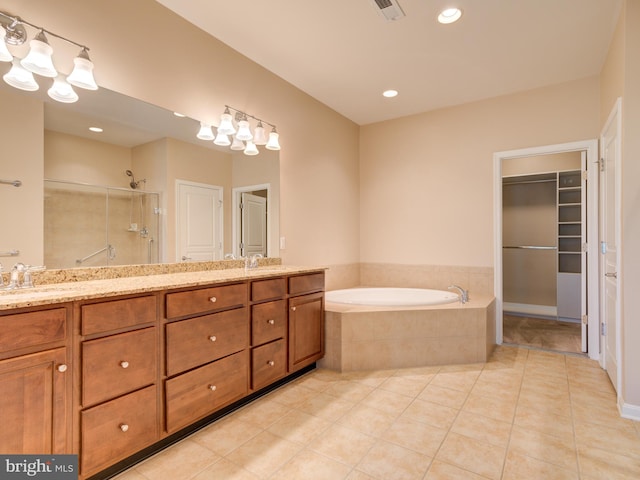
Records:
x=478, y=280
x=368, y=338
x=525, y=414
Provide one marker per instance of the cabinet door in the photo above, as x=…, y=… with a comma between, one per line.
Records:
x=306, y=330
x=33, y=403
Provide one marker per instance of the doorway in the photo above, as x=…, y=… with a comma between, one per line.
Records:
x=558, y=251
x=251, y=221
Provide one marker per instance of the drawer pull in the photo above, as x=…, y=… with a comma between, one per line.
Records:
x=271, y=322
x=293, y=309
x=124, y=364
x=213, y=388
x=213, y=299
x=124, y=427
x=213, y=338
x=62, y=368
x=271, y=363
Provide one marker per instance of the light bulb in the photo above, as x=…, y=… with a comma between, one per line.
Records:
x=82, y=74
x=61, y=91
x=244, y=133
x=5, y=54
x=39, y=60
x=226, y=123
x=205, y=132
x=251, y=148
x=273, y=143
x=21, y=78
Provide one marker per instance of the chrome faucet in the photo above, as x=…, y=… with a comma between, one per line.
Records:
x=24, y=270
x=464, y=294
x=253, y=262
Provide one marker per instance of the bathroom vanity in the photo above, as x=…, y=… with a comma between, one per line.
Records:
x=115, y=369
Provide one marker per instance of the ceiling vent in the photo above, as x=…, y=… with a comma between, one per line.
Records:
x=390, y=9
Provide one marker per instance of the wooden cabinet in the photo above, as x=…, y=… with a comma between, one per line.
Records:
x=306, y=320
x=35, y=381
x=149, y=366
x=118, y=402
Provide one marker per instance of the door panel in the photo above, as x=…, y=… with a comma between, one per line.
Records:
x=199, y=222
x=254, y=225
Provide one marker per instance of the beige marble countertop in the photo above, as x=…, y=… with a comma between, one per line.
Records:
x=106, y=287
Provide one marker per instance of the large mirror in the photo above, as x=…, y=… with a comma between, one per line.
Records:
x=146, y=189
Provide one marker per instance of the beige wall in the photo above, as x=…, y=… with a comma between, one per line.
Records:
x=427, y=180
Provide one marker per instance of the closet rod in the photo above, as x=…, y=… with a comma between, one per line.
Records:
x=522, y=182
x=530, y=247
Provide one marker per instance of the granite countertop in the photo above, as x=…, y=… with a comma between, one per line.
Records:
x=87, y=289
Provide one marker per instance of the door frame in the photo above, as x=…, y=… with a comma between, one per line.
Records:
x=236, y=220
x=591, y=147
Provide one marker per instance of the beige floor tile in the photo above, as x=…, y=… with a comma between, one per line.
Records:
x=605, y=465
x=495, y=389
x=357, y=475
x=292, y=395
x=484, y=429
x=601, y=415
x=521, y=467
x=309, y=465
x=372, y=378
x=343, y=444
x=386, y=461
x=467, y=453
x=431, y=413
x=299, y=427
x=224, y=469
x=462, y=381
x=623, y=441
x=416, y=436
x=349, y=391
x=535, y=418
x=389, y=402
x=368, y=420
x=532, y=400
x=226, y=435
x=409, y=386
x=263, y=454
x=325, y=406
x=444, y=471
x=182, y=460
x=546, y=448
x=263, y=414
x=492, y=407
x=130, y=474
x=443, y=396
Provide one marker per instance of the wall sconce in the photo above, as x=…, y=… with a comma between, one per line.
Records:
x=243, y=138
x=39, y=60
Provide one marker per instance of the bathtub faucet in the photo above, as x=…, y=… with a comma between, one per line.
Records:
x=464, y=294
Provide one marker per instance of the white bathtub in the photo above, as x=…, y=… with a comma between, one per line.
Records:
x=393, y=297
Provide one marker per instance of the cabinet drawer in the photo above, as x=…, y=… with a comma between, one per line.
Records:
x=200, y=392
x=268, y=322
x=194, y=342
x=306, y=283
x=118, y=364
x=268, y=289
x=31, y=329
x=106, y=316
x=268, y=363
x=117, y=429
x=193, y=302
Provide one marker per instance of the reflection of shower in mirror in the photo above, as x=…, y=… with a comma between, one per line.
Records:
x=133, y=184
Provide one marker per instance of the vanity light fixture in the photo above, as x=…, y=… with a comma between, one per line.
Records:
x=39, y=60
x=449, y=15
x=205, y=132
x=243, y=138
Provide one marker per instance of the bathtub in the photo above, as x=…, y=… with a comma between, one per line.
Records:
x=386, y=328
x=387, y=296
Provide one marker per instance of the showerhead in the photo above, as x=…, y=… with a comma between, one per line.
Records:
x=133, y=184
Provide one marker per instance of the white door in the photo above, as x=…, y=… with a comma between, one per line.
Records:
x=609, y=245
x=199, y=222
x=253, y=225
x=583, y=256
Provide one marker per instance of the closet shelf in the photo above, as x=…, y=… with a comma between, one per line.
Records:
x=531, y=247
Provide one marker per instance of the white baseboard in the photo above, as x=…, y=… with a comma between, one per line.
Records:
x=629, y=411
x=529, y=309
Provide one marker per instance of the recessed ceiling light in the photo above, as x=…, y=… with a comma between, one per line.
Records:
x=390, y=93
x=96, y=129
x=178, y=114
x=449, y=15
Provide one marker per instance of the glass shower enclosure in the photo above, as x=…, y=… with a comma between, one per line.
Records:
x=91, y=225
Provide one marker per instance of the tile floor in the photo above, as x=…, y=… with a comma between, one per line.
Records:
x=526, y=414
x=542, y=333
